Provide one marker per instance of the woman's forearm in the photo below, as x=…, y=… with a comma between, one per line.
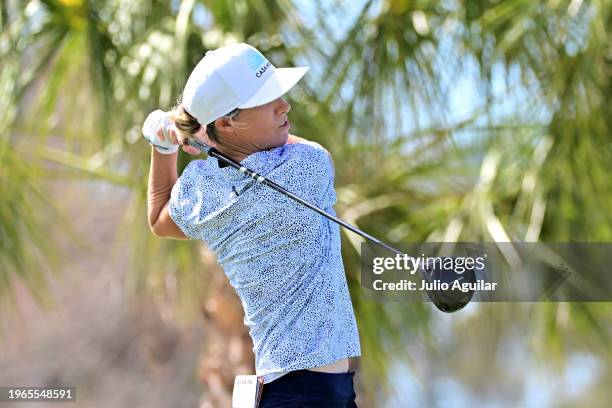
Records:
x=162, y=176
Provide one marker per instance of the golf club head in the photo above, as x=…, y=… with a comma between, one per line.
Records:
x=453, y=297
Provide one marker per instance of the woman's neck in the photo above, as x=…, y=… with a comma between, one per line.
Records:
x=236, y=153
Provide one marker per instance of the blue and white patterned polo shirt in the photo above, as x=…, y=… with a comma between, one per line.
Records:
x=282, y=258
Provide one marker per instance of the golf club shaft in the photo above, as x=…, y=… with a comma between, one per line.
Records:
x=441, y=304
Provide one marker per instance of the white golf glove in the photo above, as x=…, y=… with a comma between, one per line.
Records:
x=159, y=120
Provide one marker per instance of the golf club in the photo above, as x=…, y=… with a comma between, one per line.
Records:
x=447, y=301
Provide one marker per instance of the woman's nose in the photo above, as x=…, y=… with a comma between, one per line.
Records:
x=283, y=106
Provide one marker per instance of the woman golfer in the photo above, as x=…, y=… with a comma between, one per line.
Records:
x=282, y=258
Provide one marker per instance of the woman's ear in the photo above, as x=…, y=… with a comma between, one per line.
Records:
x=223, y=124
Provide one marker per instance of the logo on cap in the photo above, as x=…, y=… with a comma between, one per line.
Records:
x=255, y=60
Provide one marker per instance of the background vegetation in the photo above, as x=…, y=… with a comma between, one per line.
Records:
x=459, y=120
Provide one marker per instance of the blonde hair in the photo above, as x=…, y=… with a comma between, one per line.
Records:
x=188, y=125
x=185, y=124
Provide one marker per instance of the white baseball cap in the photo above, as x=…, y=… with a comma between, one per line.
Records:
x=235, y=76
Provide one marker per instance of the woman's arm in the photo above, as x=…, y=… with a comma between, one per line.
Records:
x=162, y=176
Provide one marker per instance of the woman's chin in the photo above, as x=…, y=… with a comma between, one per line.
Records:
x=279, y=140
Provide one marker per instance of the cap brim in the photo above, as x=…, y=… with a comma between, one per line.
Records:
x=276, y=86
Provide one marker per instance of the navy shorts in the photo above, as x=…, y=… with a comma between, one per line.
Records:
x=309, y=389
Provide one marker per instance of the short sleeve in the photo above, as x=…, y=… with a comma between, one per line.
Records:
x=187, y=199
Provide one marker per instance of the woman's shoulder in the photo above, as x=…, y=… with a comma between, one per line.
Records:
x=296, y=140
x=307, y=161
x=293, y=139
x=308, y=145
x=197, y=168
x=197, y=172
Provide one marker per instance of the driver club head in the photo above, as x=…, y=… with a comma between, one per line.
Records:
x=447, y=295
